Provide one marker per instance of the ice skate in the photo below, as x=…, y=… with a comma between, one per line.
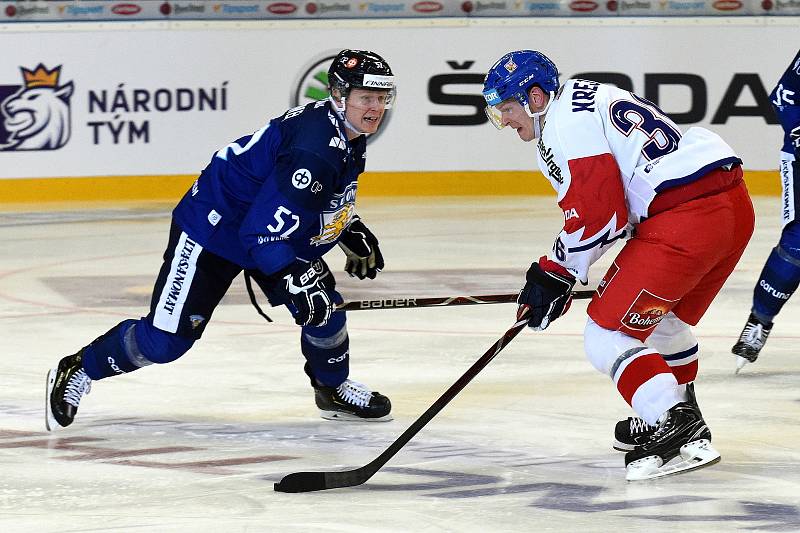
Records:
x=751, y=341
x=634, y=431
x=680, y=443
x=350, y=401
x=631, y=432
x=66, y=385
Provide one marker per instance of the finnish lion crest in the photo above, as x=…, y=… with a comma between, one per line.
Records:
x=334, y=224
x=37, y=115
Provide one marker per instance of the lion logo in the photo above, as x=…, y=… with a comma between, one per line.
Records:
x=36, y=116
x=334, y=224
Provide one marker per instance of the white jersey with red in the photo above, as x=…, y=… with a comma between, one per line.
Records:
x=608, y=153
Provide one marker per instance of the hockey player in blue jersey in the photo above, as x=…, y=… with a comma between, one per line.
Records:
x=781, y=273
x=270, y=204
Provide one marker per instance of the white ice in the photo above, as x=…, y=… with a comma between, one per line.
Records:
x=196, y=445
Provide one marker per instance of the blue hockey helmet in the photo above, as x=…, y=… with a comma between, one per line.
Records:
x=513, y=75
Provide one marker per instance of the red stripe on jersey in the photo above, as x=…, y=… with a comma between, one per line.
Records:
x=594, y=195
x=640, y=371
x=685, y=373
x=551, y=266
x=715, y=182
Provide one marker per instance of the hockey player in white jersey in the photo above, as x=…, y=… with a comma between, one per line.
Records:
x=622, y=170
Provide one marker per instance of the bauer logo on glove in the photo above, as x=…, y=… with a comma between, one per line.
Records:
x=311, y=290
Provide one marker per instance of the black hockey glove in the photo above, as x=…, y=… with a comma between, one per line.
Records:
x=310, y=288
x=364, y=258
x=547, y=291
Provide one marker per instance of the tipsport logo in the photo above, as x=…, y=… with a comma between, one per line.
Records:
x=35, y=115
x=312, y=86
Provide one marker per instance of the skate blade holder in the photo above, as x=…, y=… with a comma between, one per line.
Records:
x=693, y=455
x=340, y=416
x=741, y=362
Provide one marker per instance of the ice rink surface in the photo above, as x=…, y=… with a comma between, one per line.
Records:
x=196, y=445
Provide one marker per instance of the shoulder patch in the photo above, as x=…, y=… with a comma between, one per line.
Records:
x=301, y=178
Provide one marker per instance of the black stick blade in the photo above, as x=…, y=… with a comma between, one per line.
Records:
x=313, y=481
x=302, y=482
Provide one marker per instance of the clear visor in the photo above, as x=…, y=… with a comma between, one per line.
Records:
x=492, y=101
x=373, y=99
x=495, y=116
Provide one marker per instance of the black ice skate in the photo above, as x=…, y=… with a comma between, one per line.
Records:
x=66, y=385
x=631, y=432
x=350, y=401
x=752, y=339
x=634, y=431
x=680, y=443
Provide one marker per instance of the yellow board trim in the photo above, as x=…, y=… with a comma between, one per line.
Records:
x=171, y=188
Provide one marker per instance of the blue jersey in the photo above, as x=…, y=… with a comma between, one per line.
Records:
x=285, y=192
x=785, y=99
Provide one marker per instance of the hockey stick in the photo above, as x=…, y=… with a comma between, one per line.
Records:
x=445, y=301
x=401, y=303
x=313, y=481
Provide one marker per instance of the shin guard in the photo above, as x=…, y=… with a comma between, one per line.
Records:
x=327, y=350
x=778, y=281
x=106, y=355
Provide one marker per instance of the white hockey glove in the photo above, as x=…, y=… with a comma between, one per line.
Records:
x=364, y=257
x=547, y=291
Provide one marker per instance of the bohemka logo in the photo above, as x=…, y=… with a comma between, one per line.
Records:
x=646, y=311
x=36, y=114
x=312, y=86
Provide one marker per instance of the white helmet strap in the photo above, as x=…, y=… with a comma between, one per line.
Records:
x=538, y=118
x=341, y=112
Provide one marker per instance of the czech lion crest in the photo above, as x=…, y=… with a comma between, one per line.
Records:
x=35, y=115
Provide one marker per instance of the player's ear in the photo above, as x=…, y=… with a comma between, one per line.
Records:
x=537, y=96
x=337, y=95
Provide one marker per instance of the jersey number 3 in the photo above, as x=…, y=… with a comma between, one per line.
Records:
x=629, y=116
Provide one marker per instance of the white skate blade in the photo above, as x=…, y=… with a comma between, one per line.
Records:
x=349, y=417
x=740, y=362
x=49, y=420
x=693, y=455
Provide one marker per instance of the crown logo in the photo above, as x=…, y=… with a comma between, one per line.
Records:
x=41, y=77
